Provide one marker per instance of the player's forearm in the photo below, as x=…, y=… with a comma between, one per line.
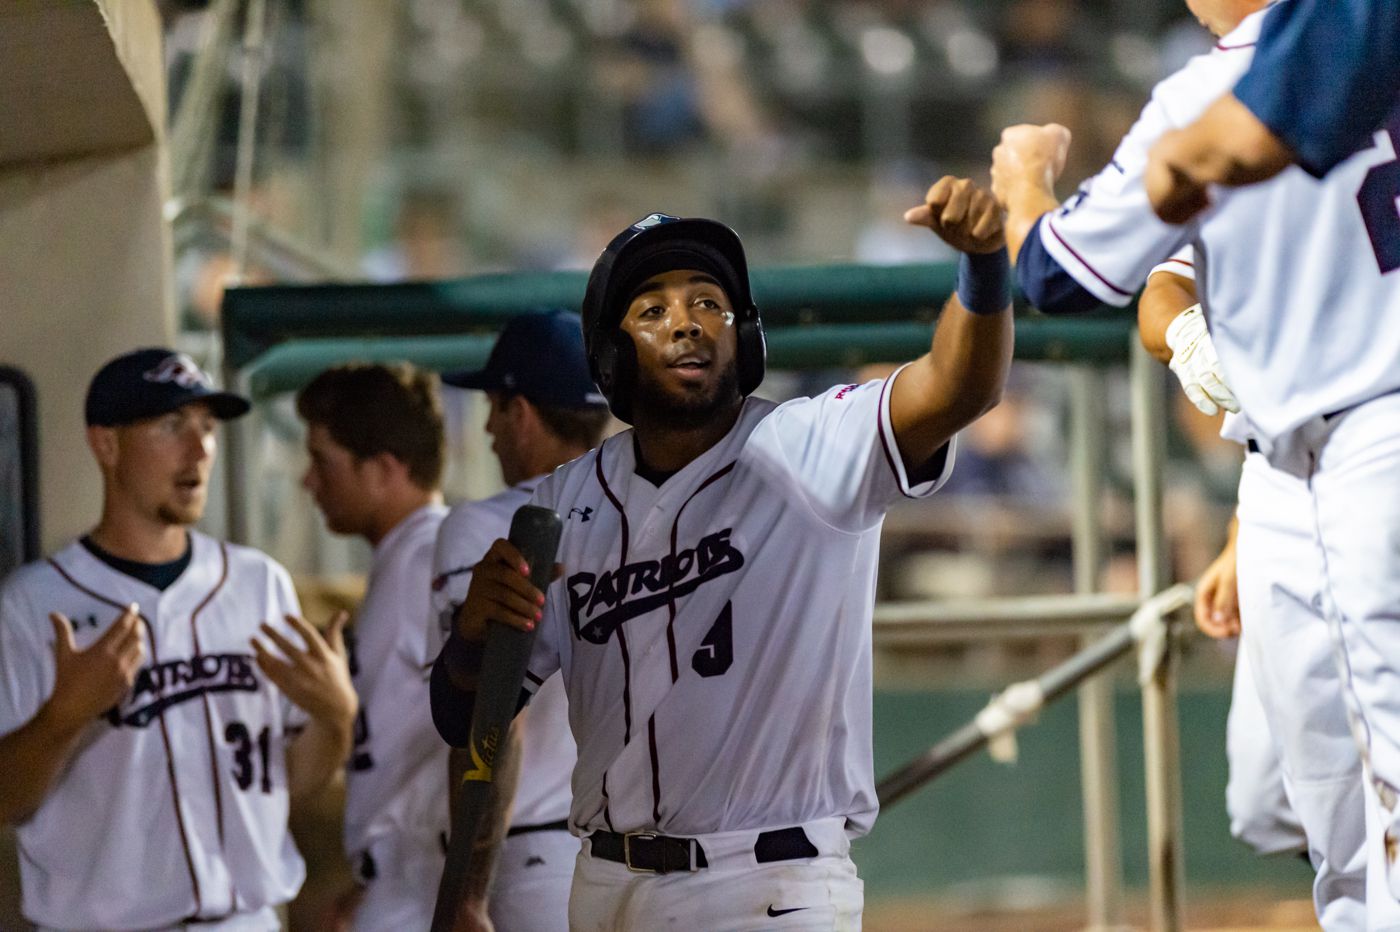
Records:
x=1228, y=145
x=969, y=360
x=496, y=819
x=956, y=382
x=32, y=757
x=1165, y=296
x=1027, y=203
x=315, y=755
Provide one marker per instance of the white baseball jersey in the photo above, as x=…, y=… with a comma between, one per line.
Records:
x=548, y=752
x=174, y=806
x=1299, y=287
x=714, y=633
x=396, y=779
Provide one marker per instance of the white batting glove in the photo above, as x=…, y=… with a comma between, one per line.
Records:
x=1196, y=365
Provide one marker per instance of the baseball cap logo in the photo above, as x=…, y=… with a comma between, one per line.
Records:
x=179, y=369
x=651, y=220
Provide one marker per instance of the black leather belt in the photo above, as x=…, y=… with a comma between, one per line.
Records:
x=561, y=826
x=648, y=852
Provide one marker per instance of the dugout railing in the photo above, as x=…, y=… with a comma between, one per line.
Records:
x=276, y=338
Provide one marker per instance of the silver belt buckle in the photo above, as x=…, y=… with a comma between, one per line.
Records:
x=627, y=851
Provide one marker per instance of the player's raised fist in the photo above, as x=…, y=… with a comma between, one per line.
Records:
x=964, y=215
x=500, y=591
x=1028, y=156
x=89, y=682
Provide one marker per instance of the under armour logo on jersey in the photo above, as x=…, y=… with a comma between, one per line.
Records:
x=162, y=685
x=583, y=513
x=180, y=369
x=614, y=597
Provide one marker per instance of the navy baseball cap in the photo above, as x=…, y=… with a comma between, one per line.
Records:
x=149, y=382
x=540, y=356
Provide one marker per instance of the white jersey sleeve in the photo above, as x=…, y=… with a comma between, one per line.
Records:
x=462, y=541
x=839, y=452
x=1182, y=264
x=1107, y=236
x=551, y=635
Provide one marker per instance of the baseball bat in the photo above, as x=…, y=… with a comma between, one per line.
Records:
x=535, y=532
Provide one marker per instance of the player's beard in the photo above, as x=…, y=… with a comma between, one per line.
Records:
x=182, y=514
x=657, y=404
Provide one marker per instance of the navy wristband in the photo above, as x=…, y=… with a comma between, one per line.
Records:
x=984, y=281
x=463, y=656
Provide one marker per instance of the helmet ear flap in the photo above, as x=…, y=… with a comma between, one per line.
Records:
x=615, y=367
x=753, y=350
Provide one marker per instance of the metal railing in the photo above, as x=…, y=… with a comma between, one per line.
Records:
x=277, y=338
x=1147, y=631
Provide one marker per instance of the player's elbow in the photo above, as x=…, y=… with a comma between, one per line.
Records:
x=980, y=399
x=452, y=707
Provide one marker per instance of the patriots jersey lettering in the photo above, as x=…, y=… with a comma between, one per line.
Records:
x=598, y=604
x=162, y=685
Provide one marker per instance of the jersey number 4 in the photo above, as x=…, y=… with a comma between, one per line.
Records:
x=1379, y=198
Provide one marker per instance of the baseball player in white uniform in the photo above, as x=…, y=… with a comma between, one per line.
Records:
x=545, y=411
x=150, y=750
x=1299, y=284
x=1256, y=797
x=712, y=622
x=375, y=444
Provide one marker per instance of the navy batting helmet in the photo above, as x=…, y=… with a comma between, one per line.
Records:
x=655, y=244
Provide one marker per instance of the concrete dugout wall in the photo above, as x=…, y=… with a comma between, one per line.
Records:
x=84, y=251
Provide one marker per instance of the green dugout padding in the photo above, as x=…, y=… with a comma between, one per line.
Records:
x=983, y=820
x=816, y=317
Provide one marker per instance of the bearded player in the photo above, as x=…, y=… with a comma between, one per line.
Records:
x=712, y=624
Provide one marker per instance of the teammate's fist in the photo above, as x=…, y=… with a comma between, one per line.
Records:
x=1196, y=364
x=963, y=215
x=89, y=682
x=501, y=591
x=317, y=677
x=1028, y=157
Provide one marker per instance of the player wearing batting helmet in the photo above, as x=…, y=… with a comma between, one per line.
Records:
x=152, y=742
x=712, y=622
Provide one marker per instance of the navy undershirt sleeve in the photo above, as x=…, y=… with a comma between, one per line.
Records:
x=1325, y=76
x=1045, y=283
x=452, y=707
